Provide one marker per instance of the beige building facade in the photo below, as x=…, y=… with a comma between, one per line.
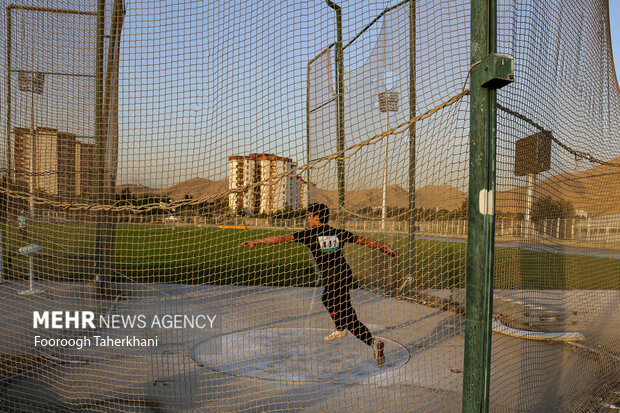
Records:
x=260, y=184
x=64, y=165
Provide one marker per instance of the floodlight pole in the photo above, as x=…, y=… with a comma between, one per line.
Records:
x=385, y=164
x=29, y=86
x=387, y=101
x=340, y=105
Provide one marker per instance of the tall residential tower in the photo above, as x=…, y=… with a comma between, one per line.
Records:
x=264, y=184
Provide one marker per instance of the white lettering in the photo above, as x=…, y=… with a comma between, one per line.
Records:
x=63, y=319
x=38, y=319
x=166, y=321
x=88, y=318
x=141, y=321
x=123, y=321
x=129, y=321
x=116, y=321
x=57, y=319
x=78, y=343
x=75, y=318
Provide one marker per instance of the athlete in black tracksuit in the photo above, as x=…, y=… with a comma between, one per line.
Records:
x=326, y=244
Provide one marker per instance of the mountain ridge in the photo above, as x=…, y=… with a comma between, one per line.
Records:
x=595, y=190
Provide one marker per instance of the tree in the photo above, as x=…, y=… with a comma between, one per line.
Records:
x=547, y=208
x=463, y=211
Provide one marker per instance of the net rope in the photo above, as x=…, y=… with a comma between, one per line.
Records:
x=145, y=146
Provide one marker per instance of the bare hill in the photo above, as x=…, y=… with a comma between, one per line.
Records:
x=431, y=196
x=195, y=187
x=596, y=190
x=136, y=189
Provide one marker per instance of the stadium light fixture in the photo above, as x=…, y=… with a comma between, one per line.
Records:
x=388, y=102
x=30, y=81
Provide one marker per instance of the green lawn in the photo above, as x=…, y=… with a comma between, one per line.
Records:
x=212, y=256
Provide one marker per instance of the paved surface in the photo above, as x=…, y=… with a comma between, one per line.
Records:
x=266, y=353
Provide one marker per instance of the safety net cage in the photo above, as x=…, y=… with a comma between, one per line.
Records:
x=168, y=169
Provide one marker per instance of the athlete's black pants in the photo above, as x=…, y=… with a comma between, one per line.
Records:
x=337, y=300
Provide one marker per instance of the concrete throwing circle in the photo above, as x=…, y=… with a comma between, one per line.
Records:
x=295, y=355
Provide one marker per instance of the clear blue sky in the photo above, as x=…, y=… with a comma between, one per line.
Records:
x=189, y=95
x=614, y=19
x=173, y=149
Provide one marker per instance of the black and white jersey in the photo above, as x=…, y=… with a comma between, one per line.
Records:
x=327, y=244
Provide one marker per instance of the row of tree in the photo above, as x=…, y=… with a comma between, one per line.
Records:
x=544, y=208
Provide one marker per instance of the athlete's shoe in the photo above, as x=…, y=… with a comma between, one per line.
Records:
x=379, y=355
x=335, y=334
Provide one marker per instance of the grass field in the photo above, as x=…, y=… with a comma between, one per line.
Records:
x=213, y=256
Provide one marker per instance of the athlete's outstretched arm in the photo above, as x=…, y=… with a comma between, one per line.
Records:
x=273, y=240
x=373, y=243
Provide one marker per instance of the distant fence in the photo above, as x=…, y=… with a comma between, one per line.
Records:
x=598, y=230
x=590, y=230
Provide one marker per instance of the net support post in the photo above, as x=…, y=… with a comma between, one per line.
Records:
x=411, y=228
x=102, y=228
x=1, y=259
x=340, y=103
x=489, y=71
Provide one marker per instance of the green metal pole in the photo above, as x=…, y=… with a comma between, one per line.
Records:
x=100, y=149
x=107, y=140
x=10, y=184
x=340, y=104
x=412, y=138
x=308, y=126
x=110, y=110
x=8, y=93
x=480, y=242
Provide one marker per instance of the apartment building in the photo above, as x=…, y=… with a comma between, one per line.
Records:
x=308, y=193
x=64, y=165
x=264, y=186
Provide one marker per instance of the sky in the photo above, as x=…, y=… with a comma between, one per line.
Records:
x=189, y=98
x=232, y=108
x=235, y=109
x=614, y=24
